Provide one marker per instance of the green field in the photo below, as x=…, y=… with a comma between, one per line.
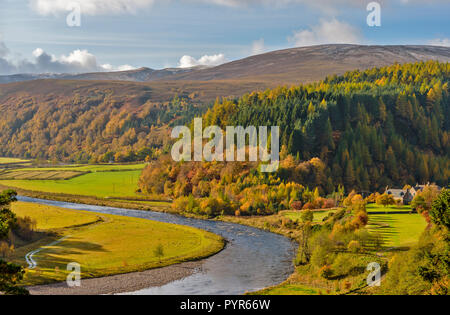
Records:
x=297, y=215
x=4, y=160
x=112, y=245
x=395, y=224
x=89, y=168
x=372, y=207
x=53, y=218
x=396, y=229
x=100, y=184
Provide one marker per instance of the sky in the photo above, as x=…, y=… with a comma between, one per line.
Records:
x=35, y=36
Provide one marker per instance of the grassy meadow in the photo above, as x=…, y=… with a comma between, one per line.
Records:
x=4, y=160
x=318, y=215
x=106, y=244
x=100, y=184
x=53, y=218
x=89, y=168
x=397, y=226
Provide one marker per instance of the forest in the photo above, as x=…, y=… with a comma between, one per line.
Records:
x=362, y=131
x=93, y=126
x=384, y=126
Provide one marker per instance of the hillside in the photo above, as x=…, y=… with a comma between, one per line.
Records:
x=82, y=120
x=310, y=64
x=138, y=75
x=364, y=130
x=289, y=66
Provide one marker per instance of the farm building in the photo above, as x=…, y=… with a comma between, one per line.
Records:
x=407, y=195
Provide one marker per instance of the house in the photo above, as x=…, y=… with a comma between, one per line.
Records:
x=407, y=195
x=403, y=195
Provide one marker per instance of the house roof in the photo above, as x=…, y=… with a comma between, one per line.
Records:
x=396, y=193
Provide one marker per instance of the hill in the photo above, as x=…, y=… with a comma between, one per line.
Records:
x=289, y=66
x=365, y=130
x=310, y=64
x=82, y=120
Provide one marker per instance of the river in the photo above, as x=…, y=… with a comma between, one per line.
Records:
x=252, y=260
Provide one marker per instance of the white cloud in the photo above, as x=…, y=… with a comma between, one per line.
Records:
x=108, y=67
x=89, y=7
x=327, y=32
x=213, y=60
x=440, y=42
x=258, y=47
x=78, y=61
x=4, y=51
x=100, y=7
x=104, y=7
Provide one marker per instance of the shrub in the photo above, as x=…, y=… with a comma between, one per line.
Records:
x=385, y=200
x=326, y=272
x=308, y=206
x=5, y=249
x=418, y=204
x=296, y=205
x=440, y=211
x=319, y=256
x=25, y=227
x=307, y=216
x=354, y=247
x=329, y=203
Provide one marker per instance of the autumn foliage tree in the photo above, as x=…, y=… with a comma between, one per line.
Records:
x=10, y=274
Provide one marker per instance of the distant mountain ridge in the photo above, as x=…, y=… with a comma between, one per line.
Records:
x=138, y=75
x=288, y=66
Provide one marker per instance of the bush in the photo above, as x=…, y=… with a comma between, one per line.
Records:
x=320, y=256
x=296, y=205
x=329, y=203
x=385, y=200
x=5, y=249
x=326, y=272
x=440, y=211
x=309, y=206
x=354, y=247
x=418, y=204
x=307, y=216
x=25, y=227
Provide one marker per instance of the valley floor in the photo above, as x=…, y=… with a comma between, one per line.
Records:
x=107, y=245
x=397, y=228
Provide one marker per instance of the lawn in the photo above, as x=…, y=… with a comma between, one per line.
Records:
x=89, y=168
x=100, y=184
x=4, y=160
x=53, y=218
x=396, y=228
x=297, y=215
x=111, y=246
x=372, y=207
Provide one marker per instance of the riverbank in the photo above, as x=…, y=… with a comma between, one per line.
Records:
x=123, y=283
x=275, y=223
x=106, y=245
x=253, y=259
